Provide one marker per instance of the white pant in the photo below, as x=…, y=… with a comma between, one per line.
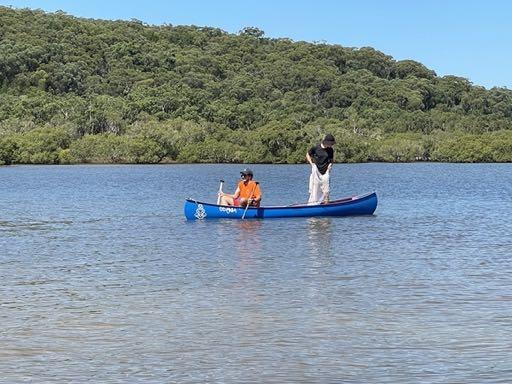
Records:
x=318, y=186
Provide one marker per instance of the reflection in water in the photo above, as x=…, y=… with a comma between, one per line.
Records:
x=252, y=226
x=320, y=233
x=247, y=274
x=248, y=237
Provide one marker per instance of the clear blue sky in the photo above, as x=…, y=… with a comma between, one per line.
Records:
x=465, y=38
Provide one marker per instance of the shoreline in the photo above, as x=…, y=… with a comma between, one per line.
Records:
x=237, y=163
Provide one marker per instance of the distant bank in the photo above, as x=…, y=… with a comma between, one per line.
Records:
x=78, y=90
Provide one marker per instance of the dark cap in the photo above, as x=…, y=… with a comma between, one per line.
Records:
x=329, y=139
x=246, y=171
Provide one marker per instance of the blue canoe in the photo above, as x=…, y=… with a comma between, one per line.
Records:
x=349, y=206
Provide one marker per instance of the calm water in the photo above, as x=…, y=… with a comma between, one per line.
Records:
x=102, y=279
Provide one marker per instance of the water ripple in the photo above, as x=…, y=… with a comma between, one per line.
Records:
x=110, y=284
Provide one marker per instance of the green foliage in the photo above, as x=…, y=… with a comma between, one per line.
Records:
x=83, y=90
x=211, y=151
x=277, y=142
x=406, y=68
x=352, y=148
x=108, y=148
x=40, y=145
x=463, y=147
x=398, y=148
x=8, y=149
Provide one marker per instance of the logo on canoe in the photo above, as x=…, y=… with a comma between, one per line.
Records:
x=200, y=212
x=227, y=210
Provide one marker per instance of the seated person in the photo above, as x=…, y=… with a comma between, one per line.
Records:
x=247, y=192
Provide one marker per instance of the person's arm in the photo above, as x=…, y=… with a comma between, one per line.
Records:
x=234, y=195
x=309, y=153
x=257, y=194
x=331, y=160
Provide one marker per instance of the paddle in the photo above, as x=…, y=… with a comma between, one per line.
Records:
x=220, y=191
x=247, y=206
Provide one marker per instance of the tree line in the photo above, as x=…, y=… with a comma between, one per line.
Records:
x=76, y=90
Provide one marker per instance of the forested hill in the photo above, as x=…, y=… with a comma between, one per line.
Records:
x=83, y=90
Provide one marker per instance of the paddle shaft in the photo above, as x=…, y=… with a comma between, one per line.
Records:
x=220, y=191
x=250, y=196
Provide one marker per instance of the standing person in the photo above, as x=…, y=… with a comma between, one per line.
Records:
x=247, y=192
x=321, y=158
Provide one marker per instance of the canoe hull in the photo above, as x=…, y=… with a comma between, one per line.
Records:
x=357, y=205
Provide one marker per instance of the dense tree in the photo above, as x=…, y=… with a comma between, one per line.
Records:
x=82, y=90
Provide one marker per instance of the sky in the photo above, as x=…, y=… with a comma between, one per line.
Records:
x=465, y=38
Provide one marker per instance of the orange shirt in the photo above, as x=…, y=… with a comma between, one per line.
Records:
x=245, y=190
